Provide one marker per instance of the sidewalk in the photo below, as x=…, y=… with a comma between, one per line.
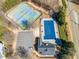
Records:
x=71, y=7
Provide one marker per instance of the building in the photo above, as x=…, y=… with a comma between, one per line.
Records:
x=2, y=56
x=23, y=15
x=46, y=49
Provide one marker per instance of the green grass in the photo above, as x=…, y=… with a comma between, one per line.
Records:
x=1, y=20
x=62, y=32
x=64, y=3
x=9, y=4
x=62, y=16
x=2, y=29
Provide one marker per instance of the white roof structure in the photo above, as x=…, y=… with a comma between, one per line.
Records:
x=1, y=51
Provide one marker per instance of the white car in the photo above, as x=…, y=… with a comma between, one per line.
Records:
x=2, y=51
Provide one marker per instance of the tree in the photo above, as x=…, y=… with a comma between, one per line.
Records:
x=60, y=16
x=64, y=3
x=36, y=43
x=64, y=56
x=22, y=52
x=67, y=49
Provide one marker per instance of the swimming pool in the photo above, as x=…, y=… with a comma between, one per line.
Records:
x=49, y=30
x=24, y=12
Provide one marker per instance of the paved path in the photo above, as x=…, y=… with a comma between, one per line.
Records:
x=74, y=26
x=75, y=33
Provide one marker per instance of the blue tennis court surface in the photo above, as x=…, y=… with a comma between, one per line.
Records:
x=24, y=14
x=49, y=30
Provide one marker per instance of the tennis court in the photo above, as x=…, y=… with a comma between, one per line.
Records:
x=24, y=14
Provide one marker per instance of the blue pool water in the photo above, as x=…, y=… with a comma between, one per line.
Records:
x=49, y=30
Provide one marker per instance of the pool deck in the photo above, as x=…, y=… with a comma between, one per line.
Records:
x=42, y=30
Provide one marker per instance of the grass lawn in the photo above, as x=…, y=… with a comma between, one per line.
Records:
x=62, y=32
x=64, y=3
x=62, y=28
x=9, y=4
x=1, y=20
x=2, y=29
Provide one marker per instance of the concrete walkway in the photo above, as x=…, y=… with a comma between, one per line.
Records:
x=74, y=31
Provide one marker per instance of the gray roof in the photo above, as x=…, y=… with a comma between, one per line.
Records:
x=25, y=39
x=46, y=48
x=47, y=51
